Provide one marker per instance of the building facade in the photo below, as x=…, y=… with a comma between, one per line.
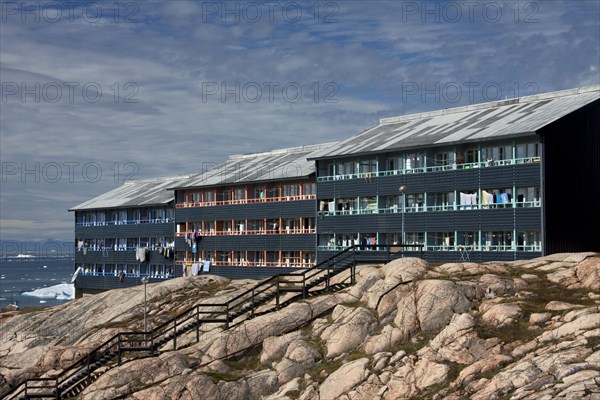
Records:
x=124, y=235
x=252, y=216
x=499, y=181
x=467, y=184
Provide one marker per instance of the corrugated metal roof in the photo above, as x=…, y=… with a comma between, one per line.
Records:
x=258, y=167
x=134, y=193
x=463, y=124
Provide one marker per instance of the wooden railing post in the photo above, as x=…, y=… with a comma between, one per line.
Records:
x=56, y=389
x=175, y=334
x=252, y=308
x=88, y=369
x=197, y=323
x=119, y=349
x=227, y=317
x=277, y=293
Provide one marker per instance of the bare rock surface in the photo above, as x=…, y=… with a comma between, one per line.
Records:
x=520, y=330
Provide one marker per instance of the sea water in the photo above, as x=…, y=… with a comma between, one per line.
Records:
x=35, y=282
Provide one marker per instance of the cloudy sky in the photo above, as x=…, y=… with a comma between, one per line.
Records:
x=96, y=92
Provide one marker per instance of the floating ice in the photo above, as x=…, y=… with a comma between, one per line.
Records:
x=64, y=291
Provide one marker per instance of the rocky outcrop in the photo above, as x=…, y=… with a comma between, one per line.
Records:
x=520, y=330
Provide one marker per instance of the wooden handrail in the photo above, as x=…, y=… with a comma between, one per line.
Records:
x=273, y=282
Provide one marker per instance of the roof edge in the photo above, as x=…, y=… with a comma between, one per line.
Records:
x=492, y=104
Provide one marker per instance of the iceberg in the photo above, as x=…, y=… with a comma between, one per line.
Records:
x=64, y=291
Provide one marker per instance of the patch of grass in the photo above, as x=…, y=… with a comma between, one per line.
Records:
x=593, y=342
x=356, y=304
x=328, y=366
x=318, y=344
x=221, y=376
x=415, y=343
x=508, y=333
x=244, y=364
x=355, y=355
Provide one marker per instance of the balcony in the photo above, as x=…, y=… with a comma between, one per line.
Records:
x=245, y=201
x=367, y=176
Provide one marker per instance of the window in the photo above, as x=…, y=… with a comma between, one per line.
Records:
x=393, y=203
x=346, y=168
x=346, y=239
x=443, y=159
x=291, y=225
x=527, y=150
x=441, y=240
x=346, y=206
x=256, y=225
x=259, y=192
x=367, y=166
x=415, y=238
x=291, y=189
x=529, y=241
x=122, y=216
x=327, y=241
x=240, y=193
x=308, y=188
x=414, y=161
x=528, y=197
x=471, y=156
x=368, y=205
x=440, y=201
x=195, y=197
x=273, y=225
x=469, y=240
x=209, y=196
x=497, y=241
x=493, y=155
x=414, y=202
x=394, y=163
x=225, y=195
x=309, y=223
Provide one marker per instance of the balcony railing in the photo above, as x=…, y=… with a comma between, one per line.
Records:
x=453, y=248
x=444, y=207
x=127, y=222
x=283, y=231
x=245, y=201
x=292, y=263
x=437, y=168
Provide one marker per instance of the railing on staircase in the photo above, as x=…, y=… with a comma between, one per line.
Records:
x=84, y=371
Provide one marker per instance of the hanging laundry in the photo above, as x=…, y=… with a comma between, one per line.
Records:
x=504, y=198
x=463, y=200
x=474, y=200
x=79, y=245
x=206, y=266
x=195, y=269
x=484, y=199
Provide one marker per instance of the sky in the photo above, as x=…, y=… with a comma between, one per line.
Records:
x=93, y=93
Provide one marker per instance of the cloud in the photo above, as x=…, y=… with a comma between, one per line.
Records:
x=155, y=61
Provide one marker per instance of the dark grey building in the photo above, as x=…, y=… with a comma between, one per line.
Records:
x=505, y=180
x=251, y=216
x=124, y=235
